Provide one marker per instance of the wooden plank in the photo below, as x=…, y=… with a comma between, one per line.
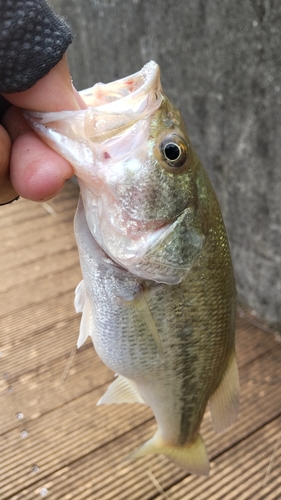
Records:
x=33, y=253
x=251, y=342
x=61, y=437
x=46, y=345
x=48, y=287
x=260, y=404
x=93, y=478
x=18, y=213
x=31, y=272
x=36, y=225
x=37, y=318
x=231, y=472
x=50, y=385
x=250, y=470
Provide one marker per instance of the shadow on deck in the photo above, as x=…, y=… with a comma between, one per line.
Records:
x=54, y=441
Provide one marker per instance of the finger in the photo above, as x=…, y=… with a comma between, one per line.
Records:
x=5, y=149
x=7, y=191
x=37, y=172
x=14, y=123
x=53, y=92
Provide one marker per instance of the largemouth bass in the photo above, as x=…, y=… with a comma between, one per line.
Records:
x=158, y=297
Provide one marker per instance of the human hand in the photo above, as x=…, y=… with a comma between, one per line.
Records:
x=28, y=167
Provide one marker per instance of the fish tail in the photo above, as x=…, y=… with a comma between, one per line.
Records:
x=191, y=457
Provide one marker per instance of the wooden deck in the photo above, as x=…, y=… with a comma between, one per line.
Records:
x=54, y=441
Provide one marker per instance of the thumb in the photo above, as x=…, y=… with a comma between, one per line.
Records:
x=53, y=92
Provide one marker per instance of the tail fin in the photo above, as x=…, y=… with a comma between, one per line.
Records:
x=191, y=457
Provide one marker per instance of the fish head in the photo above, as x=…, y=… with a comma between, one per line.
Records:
x=136, y=170
x=146, y=181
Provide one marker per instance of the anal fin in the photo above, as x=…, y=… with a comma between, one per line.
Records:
x=121, y=390
x=224, y=402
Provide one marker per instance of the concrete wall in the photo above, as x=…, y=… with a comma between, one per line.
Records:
x=221, y=66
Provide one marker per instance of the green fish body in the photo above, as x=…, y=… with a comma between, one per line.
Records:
x=158, y=297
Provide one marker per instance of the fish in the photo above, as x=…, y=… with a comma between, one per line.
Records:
x=158, y=295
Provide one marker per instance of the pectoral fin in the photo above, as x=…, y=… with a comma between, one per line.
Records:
x=142, y=306
x=224, y=402
x=191, y=457
x=121, y=390
x=79, y=297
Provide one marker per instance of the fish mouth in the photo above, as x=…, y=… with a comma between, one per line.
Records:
x=116, y=106
x=112, y=109
x=128, y=94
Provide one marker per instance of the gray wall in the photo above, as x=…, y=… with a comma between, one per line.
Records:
x=221, y=66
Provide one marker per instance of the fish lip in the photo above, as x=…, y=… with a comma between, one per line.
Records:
x=132, y=87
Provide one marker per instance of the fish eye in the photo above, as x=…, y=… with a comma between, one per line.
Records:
x=174, y=151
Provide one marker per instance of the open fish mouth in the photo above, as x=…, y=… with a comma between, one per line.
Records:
x=112, y=108
x=140, y=85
